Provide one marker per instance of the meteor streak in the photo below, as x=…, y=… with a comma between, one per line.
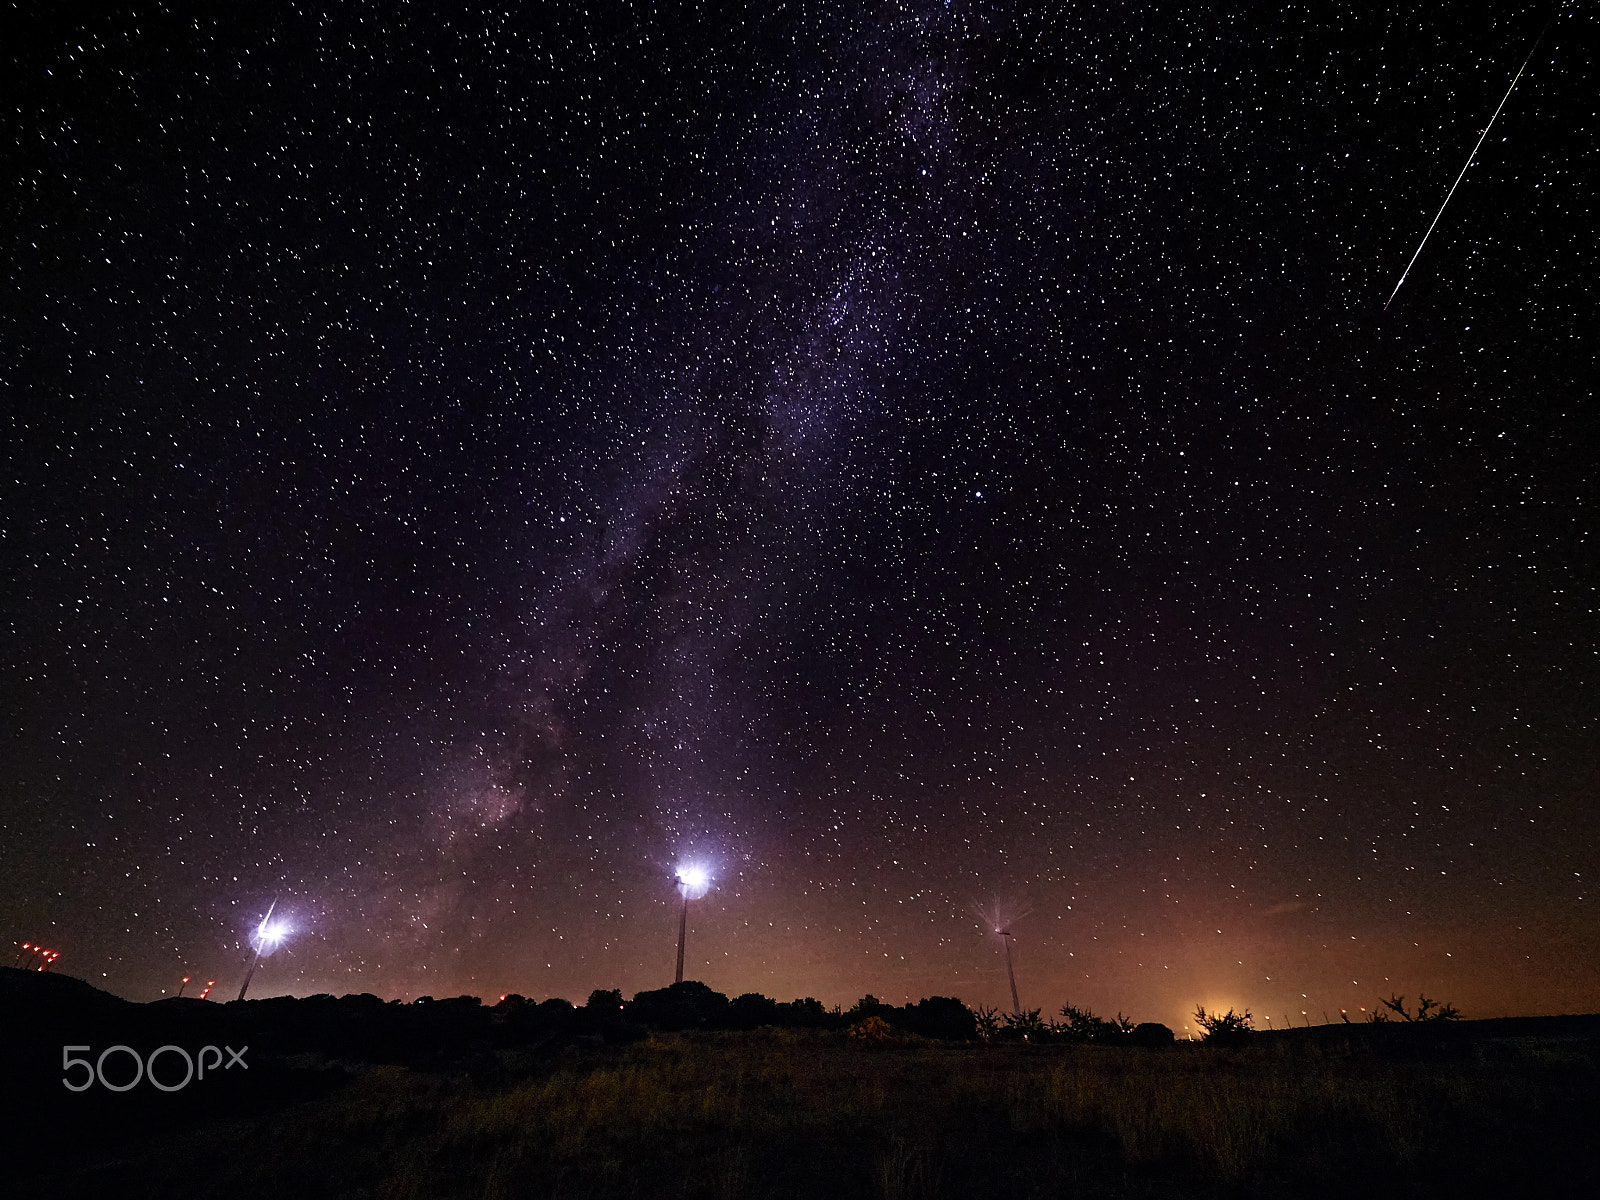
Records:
x=1470, y=157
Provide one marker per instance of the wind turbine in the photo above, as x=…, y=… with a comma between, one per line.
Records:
x=269, y=936
x=693, y=883
x=1011, y=973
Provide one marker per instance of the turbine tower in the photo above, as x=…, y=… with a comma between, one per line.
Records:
x=267, y=935
x=683, y=929
x=1011, y=974
x=692, y=884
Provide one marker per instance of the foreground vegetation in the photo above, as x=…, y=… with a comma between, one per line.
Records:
x=798, y=1113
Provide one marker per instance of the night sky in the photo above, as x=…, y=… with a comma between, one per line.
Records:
x=909, y=458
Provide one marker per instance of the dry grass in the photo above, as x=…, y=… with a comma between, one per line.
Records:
x=774, y=1115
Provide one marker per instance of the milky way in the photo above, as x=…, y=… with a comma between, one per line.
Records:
x=901, y=457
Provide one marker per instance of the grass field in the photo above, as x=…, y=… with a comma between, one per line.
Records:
x=807, y=1114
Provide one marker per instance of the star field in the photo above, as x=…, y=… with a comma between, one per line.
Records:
x=900, y=456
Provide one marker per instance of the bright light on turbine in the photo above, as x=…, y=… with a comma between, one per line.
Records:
x=694, y=881
x=270, y=934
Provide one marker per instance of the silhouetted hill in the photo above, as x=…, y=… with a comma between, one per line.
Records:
x=1433, y=1037
x=251, y=1059
x=47, y=987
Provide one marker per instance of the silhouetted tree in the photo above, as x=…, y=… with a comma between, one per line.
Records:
x=685, y=1005
x=1427, y=1010
x=805, y=1014
x=987, y=1019
x=554, y=1014
x=1025, y=1025
x=941, y=1017
x=1081, y=1025
x=870, y=1006
x=1225, y=1029
x=751, y=1011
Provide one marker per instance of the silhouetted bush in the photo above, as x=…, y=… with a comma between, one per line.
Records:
x=808, y=1014
x=1152, y=1034
x=1225, y=1029
x=686, y=1005
x=1025, y=1026
x=871, y=1029
x=941, y=1017
x=986, y=1019
x=751, y=1011
x=606, y=1002
x=1081, y=1025
x=869, y=1006
x=1427, y=1010
x=555, y=1014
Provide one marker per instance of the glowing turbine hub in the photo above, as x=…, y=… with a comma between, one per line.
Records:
x=694, y=881
x=270, y=935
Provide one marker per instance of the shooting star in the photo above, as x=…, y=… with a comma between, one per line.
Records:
x=1481, y=138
